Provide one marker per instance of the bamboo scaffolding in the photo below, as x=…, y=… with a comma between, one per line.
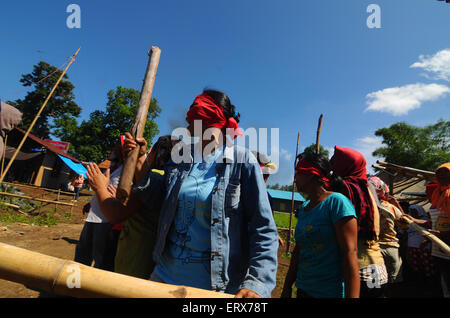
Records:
x=405, y=186
x=2, y=177
x=36, y=187
x=68, y=278
x=288, y=245
x=34, y=199
x=422, y=174
x=137, y=131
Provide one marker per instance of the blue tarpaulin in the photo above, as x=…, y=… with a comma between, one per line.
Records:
x=77, y=167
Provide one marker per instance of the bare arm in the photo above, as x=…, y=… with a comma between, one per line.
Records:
x=346, y=232
x=114, y=210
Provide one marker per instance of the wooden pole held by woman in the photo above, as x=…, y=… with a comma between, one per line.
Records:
x=137, y=131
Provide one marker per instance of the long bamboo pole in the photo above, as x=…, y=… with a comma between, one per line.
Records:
x=288, y=245
x=319, y=130
x=37, y=116
x=72, y=279
x=137, y=131
x=442, y=245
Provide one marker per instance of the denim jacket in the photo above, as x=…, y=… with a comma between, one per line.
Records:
x=244, y=241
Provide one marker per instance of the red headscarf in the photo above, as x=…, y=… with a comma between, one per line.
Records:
x=206, y=109
x=305, y=167
x=350, y=165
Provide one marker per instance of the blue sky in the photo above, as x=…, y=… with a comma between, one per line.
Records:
x=282, y=63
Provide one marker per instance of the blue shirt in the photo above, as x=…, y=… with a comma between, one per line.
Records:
x=244, y=239
x=320, y=262
x=186, y=259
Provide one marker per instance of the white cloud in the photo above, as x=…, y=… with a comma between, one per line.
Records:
x=366, y=146
x=400, y=100
x=437, y=64
x=285, y=154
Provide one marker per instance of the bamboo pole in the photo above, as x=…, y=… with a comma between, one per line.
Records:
x=72, y=279
x=34, y=199
x=288, y=245
x=37, y=116
x=319, y=130
x=137, y=131
x=444, y=247
x=4, y=153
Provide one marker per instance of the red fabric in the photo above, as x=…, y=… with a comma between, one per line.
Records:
x=205, y=109
x=117, y=227
x=429, y=189
x=350, y=165
x=305, y=167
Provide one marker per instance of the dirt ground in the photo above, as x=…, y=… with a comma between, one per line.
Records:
x=57, y=240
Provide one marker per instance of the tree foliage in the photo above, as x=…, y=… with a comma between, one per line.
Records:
x=93, y=139
x=312, y=149
x=423, y=148
x=43, y=78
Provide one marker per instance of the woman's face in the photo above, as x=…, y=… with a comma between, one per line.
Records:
x=443, y=176
x=302, y=180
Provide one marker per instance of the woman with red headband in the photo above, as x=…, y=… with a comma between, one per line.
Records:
x=350, y=165
x=324, y=263
x=216, y=230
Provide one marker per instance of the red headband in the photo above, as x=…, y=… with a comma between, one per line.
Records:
x=206, y=109
x=305, y=167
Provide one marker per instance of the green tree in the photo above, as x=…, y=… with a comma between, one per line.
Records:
x=417, y=147
x=61, y=104
x=93, y=139
x=312, y=149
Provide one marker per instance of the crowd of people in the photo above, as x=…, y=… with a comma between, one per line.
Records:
x=207, y=222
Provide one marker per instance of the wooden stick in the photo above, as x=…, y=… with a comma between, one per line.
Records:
x=319, y=130
x=33, y=199
x=444, y=247
x=4, y=154
x=293, y=201
x=137, y=131
x=68, y=278
x=37, y=116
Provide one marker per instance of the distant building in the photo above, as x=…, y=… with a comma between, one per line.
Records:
x=282, y=200
x=39, y=162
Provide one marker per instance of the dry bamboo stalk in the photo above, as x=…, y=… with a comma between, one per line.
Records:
x=37, y=116
x=288, y=245
x=444, y=247
x=4, y=153
x=34, y=199
x=137, y=131
x=36, y=187
x=72, y=279
x=319, y=130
